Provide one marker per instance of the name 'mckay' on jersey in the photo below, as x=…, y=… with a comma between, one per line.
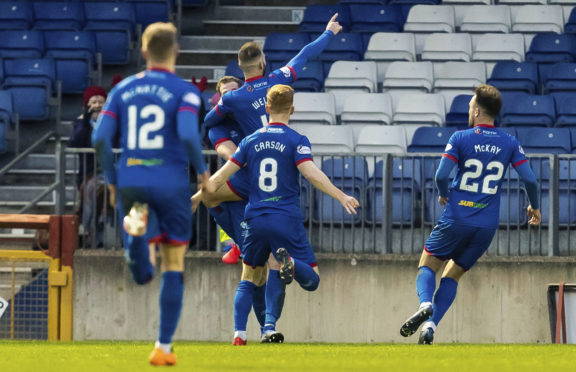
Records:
x=272, y=155
x=145, y=106
x=483, y=154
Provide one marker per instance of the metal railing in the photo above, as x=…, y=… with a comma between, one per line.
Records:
x=398, y=207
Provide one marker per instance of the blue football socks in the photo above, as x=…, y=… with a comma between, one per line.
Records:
x=305, y=275
x=274, y=300
x=138, y=254
x=171, y=293
x=425, y=284
x=443, y=298
x=259, y=303
x=242, y=304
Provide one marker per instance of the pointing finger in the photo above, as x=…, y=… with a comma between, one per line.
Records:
x=334, y=17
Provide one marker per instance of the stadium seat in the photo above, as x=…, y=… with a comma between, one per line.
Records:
x=390, y=46
x=314, y=108
x=522, y=2
x=459, y=75
x=150, y=11
x=545, y=140
x=311, y=79
x=232, y=69
x=367, y=108
x=527, y=110
x=281, y=47
x=549, y=48
x=485, y=19
x=16, y=15
x=447, y=47
x=350, y=75
x=513, y=76
x=412, y=76
x=560, y=77
x=113, y=25
x=58, y=15
x=427, y=139
x=376, y=18
x=513, y=200
x=457, y=116
x=21, y=44
x=570, y=26
x=430, y=18
x=350, y=175
x=467, y=2
x=6, y=115
x=566, y=190
x=74, y=55
x=499, y=47
x=538, y=18
x=420, y=108
x=432, y=209
x=31, y=83
x=343, y=47
x=406, y=175
x=317, y=16
x=566, y=111
x=385, y=139
x=327, y=139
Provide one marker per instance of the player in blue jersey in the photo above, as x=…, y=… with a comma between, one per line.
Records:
x=466, y=228
x=274, y=157
x=247, y=104
x=155, y=114
x=230, y=216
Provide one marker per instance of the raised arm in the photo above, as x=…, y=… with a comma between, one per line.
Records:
x=317, y=178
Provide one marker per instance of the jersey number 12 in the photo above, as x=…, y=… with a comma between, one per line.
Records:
x=140, y=136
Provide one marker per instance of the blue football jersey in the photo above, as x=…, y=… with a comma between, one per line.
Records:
x=248, y=103
x=483, y=154
x=227, y=131
x=272, y=155
x=145, y=107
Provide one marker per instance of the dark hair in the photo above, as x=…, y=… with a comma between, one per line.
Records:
x=488, y=98
x=227, y=79
x=249, y=53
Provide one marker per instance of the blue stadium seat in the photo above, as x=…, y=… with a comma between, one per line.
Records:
x=558, y=77
x=16, y=15
x=355, y=2
x=430, y=139
x=6, y=115
x=545, y=140
x=113, y=25
x=150, y=11
x=550, y=48
x=74, y=55
x=21, y=44
x=281, y=47
x=432, y=210
x=31, y=83
x=311, y=79
x=376, y=18
x=511, y=76
x=527, y=110
x=58, y=15
x=570, y=26
x=513, y=200
x=566, y=190
x=511, y=130
x=350, y=175
x=566, y=111
x=459, y=110
x=343, y=47
x=232, y=69
x=317, y=16
x=406, y=176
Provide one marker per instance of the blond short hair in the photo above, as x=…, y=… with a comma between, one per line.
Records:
x=227, y=79
x=160, y=40
x=280, y=98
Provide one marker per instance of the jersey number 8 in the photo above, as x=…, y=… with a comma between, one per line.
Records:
x=139, y=136
x=478, y=167
x=267, y=181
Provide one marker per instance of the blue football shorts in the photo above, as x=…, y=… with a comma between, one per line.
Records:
x=461, y=243
x=169, y=211
x=230, y=217
x=268, y=232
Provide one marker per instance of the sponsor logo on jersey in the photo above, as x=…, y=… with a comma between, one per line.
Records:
x=286, y=71
x=261, y=84
x=192, y=98
x=521, y=150
x=145, y=162
x=233, y=134
x=478, y=131
x=275, y=130
x=249, y=88
x=272, y=199
x=304, y=150
x=471, y=204
x=448, y=148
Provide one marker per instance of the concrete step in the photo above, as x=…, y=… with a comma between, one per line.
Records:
x=206, y=57
x=261, y=13
x=19, y=196
x=44, y=162
x=35, y=177
x=216, y=42
x=250, y=28
x=283, y=3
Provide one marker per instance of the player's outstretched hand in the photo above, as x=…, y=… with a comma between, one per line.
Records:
x=112, y=193
x=196, y=199
x=350, y=204
x=534, y=215
x=443, y=200
x=333, y=25
x=204, y=182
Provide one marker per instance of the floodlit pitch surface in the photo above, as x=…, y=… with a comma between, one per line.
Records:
x=130, y=356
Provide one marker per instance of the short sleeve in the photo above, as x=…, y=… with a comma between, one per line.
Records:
x=303, y=151
x=239, y=157
x=218, y=134
x=451, y=150
x=518, y=155
x=190, y=100
x=284, y=75
x=224, y=104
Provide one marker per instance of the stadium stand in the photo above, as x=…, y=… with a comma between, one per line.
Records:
x=376, y=18
x=487, y=19
x=58, y=15
x=411, y=76
x=314, y=108
x=430, y=18
x=549, y=48
x=499, y=47
x=387, y=47
x=458, y=75
x=316, y=17
x=420, y=108
x=328, y=139
x=447, y=47
x=538, y=18
x=430, y=139
x=527, y=110
x=352, y=76
x=232, y=69
x=16, y=15
x=559, y=77
x=457, y=115
x=150, y=11
x=281, y=47
x=510, y=76
x=367, y=108
x=21, y=44
x=382, y=139
x=566, y=111
x=343, y=47
x=545, y=140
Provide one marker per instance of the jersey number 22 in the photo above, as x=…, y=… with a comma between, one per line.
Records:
x=477, y=171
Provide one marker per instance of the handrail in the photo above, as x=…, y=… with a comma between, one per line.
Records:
x=27, y=152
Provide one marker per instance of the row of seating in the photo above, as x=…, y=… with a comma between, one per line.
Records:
x=459, y=2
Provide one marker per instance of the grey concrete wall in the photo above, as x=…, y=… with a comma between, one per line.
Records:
x=359, y=300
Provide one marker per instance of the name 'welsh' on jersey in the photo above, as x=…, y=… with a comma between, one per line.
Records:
x=272, y=155
x=483, y=154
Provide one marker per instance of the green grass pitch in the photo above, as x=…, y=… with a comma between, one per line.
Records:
x=133, y=356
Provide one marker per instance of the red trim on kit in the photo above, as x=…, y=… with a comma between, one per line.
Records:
x=236, y=162
x=520, y=163
x=484, y=126
x=278, y=124
x=254, y=78
x=188, y=108
x=163, y=238
x=450, y=157
x=220, y=141
x=314, y=264
x=218, y=111
x=302, y=161
x=233, y=189
x=293, y=72
x=160, y=69
x=109, y=113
